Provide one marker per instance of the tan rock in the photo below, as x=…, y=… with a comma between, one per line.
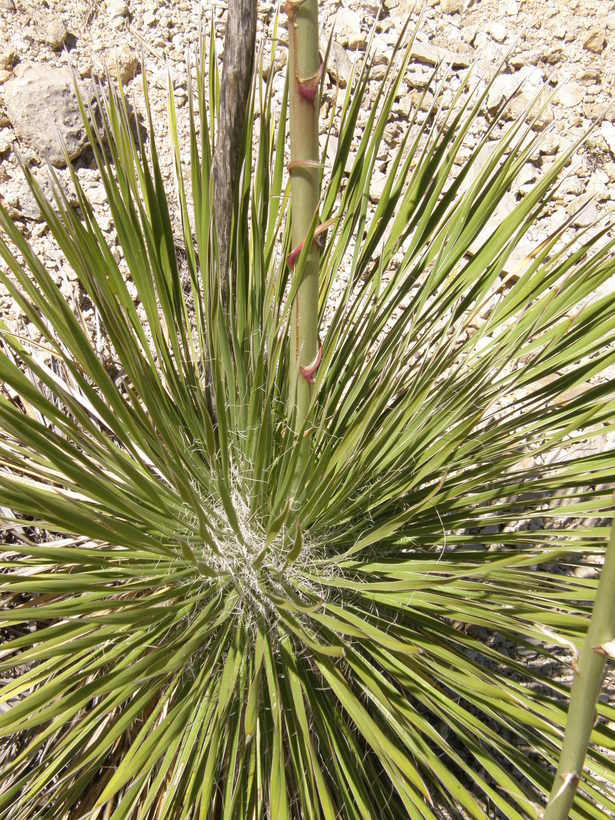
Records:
x=452, y=6
x=6, y=140
x=400, y=8
x=503, y=86
x=596, y=110
x=571, y=185
x=380, y=57
x=591, y=76
x=8, y=58
x=117, y=8
x=497, y=31
x=551, y=145
x=607, y=130
x=423, y=100
x=348, y=29
x=529, y=100
x=598, y=185
x=53, y=32
x=274, y=63
x=85, y=68
x=432, y=54
x=588, y=216
x=569, y=94
x=595, y=41
x=124, y=63
x=403, y=106
x=339, y=65
x=552, y=56
x=377, y=187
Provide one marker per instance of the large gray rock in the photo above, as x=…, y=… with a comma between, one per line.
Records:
x=42, y=106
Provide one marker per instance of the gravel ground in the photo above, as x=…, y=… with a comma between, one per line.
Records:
x=566, y=47
x=567, y=44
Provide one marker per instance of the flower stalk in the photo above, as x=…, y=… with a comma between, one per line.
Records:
x=599, y=645
x=305, y=69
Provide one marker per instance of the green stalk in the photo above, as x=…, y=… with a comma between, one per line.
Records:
x=585, y=691
x=304, y=68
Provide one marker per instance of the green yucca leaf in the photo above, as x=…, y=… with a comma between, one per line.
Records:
x=211, y=611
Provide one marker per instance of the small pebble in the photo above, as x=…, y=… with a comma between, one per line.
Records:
x=54, y=33
x=6, y=140
x=124, y=63
x=117, y=8
x=498, y=32
x=595, y=41
x=8, y=58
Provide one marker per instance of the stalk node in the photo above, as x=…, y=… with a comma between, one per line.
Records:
x=291, y=7
x=292, y=257
x=570, y=780
x=309, y=371
x=308, y=86
x=296, y=164
x=607, y=649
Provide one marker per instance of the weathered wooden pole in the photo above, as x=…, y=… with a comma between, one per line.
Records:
x=237, y=68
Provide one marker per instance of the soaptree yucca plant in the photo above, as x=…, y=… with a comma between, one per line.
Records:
x=302, y=540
